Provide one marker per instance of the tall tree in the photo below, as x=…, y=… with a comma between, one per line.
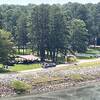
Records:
x=22, y=32
x=97, y=19
x=79, y=40
x=1, y=20
x=58, y=30
x=40, y=28
x=6, y=45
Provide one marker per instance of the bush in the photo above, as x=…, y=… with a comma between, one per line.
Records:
x=20, y=87
x=60, y=60
x=71, y=59
x=2, y=70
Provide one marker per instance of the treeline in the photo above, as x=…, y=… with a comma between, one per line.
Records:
x=52, y=29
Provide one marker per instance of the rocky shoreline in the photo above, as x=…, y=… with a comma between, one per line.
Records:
x=64, y=85
x=6, y=91
x=49, y=80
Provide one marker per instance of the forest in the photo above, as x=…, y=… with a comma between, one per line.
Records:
x=48, y=30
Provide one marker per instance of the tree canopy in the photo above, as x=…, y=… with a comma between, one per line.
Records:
x=51, y=29
x=5, y=46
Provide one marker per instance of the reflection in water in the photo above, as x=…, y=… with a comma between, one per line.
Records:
x=84, y=93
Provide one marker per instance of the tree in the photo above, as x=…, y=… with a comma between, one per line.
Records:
x=91, y=23
x=58, y=31
x=49, y=29
x=40, y=28
x=6, y=45
x=22, y=32
x=1, y=20
x=79, y=39
x=97, y=21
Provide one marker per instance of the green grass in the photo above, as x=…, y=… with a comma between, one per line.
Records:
x=85, y=58
x=22, y=67
x=75, y=76
x=0, y=65
x=28, y=51
x=93, y=51
x=92, y=64
x=82, y=77
x=20, y=87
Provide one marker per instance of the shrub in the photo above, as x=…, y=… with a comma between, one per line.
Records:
x=60, y=60
x=76, y=76
x=71, y=59
x=2, y=70
x=20, y=87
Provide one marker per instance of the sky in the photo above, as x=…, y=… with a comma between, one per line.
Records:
x=25, y=2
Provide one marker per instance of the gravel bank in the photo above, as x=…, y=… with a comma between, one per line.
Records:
x=61, y=79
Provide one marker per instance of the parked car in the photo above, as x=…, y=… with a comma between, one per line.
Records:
x=48, y=65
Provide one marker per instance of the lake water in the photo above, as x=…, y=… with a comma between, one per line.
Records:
x=84, y=93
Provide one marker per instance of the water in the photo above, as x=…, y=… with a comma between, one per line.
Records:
x=84, y=93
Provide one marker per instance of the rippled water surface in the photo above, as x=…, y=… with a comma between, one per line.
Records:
x=83, y=93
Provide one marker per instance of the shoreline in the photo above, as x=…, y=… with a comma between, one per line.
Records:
x=67, y=85
x=77, y=86
x=59, y=87
x=51, y=86
x=52, y=79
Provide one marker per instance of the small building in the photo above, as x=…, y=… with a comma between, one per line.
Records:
x=27, y=58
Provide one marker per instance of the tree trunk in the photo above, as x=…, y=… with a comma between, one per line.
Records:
x=47, y=54
x=51, y=54
x=23, y=50
x=56, y=55
x=53, y=58
x=95, y=42
x=65, y=52
x=42, y=54
x=38, y=53
x=18, y=49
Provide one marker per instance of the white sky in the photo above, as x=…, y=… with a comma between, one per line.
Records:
x=25, y=2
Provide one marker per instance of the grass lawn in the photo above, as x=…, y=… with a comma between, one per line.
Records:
x=93, y=51
x=92, y=64
x=85, y=58
x=21, y=67
x=90, y=54
x=0, y=65
x=28, y=51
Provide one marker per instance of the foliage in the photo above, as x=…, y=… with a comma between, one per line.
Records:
x=26, y=52
x=79, y=40
x=51, y=28
x=40, y=28
x=2, y=70
x=20, y=87
x=71, y=59
x=60, y=60
x=22, y=32
x=6, y=45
